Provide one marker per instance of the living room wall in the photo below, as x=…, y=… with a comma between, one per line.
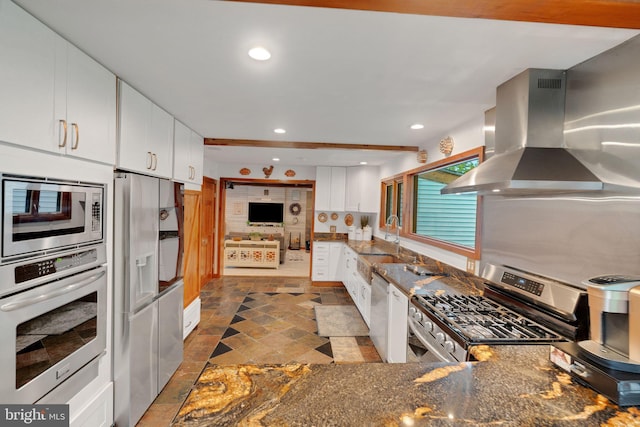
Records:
x=236, y=210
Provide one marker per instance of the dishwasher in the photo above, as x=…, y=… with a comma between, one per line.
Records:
x=379, y=312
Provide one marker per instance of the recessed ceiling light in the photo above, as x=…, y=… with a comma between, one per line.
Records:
x=279, y=130
x=363, y=163
x=417, y=126
x=276, y=159
x=259, y=53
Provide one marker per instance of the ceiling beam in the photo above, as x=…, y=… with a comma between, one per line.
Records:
x=306, y=145
x=599, y=13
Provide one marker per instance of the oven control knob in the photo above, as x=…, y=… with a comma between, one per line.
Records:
x=439, y=337
x=449, y=346
x=412, y=311
x=417, y=315
x=428, y=325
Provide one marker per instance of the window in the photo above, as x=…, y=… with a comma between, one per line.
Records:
x=392, y=196
x=447, y=217
x=448, y=221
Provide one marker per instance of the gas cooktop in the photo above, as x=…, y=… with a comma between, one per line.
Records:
x=481, y=320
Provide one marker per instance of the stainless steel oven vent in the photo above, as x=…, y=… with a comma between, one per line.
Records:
x=530, y=155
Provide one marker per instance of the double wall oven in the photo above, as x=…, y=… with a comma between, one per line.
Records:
x=516, y=307
x=53, y=287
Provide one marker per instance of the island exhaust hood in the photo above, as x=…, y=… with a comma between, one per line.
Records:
x=529, y=154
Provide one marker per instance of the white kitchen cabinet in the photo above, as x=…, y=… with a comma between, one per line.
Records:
x=362, y=189
x=330, y=188
x=87, y=105
x=54, y=97
x=146, y=135
x=335, y=261
x=327, y=261
x=364, y=300
x=188, y=151
x=320, y=262
x=397, y=339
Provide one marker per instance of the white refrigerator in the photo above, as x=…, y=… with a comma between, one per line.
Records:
x=148, y=291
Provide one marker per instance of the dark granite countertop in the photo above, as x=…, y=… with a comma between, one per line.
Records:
x=515, y=386
x=411, y=283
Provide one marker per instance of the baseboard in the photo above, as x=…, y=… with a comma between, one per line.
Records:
x=321, y=284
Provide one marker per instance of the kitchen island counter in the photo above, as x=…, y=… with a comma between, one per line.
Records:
x=514, y=386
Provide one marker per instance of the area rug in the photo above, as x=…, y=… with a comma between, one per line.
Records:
x=340, y=321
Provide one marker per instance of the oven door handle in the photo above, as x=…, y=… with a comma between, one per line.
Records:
x=425, y=342
x=25, y=302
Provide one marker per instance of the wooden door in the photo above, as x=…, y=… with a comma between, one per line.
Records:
x=192, y=200
x=207, y=230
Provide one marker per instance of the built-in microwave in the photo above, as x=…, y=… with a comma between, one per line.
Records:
x=41, y=215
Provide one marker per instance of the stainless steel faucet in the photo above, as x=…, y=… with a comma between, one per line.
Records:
x=389, y=223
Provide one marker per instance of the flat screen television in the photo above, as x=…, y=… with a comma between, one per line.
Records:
x=266, y=212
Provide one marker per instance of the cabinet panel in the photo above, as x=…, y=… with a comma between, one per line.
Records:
x=362, y=185
x=146, y=135
x=54, y=97
x=323, y=188
x=91, y=108
x=330, y=188
x=338, y=188
x=27, y=49
x=188, y=151
x=398, y=311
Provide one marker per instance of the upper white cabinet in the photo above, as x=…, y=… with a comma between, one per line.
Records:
x=188, y=152
x=330, y=188
x=146, y=135
x=86, y=108
x=54, y=97
x=362, y=189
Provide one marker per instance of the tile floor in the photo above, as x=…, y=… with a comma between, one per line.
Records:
x=257, y=320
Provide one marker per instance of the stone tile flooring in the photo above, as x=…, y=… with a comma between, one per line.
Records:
x=257, y=320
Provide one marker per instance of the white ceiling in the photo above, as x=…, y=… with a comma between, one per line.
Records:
x=337, y=76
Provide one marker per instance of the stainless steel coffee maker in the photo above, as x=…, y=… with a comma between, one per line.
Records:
x=614, y=312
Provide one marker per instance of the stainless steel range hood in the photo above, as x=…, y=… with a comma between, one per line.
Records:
x=529, y=154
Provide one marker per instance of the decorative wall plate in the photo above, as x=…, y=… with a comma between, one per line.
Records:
x=446, y=146
x=348, y=220
x=245, y=171
x=322, y=217
x=290, y=173
x=334, y=216
x=295, y=208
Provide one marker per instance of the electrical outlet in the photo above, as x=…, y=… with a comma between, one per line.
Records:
x=471, y=265
x=332, y=229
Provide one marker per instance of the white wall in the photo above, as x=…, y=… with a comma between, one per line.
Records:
x=225, y=170
x=466, y=137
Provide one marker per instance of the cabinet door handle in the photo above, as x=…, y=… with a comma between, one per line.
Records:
x=77, y=131
x=150, y=160
x=64, y=138
x=155, y=161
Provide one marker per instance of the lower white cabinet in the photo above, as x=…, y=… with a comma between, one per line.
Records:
x=364, y=300
x=327, y=262
x=191, y=318
x=356, y=285
x=397, y=339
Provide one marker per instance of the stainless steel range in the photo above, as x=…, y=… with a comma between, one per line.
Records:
x=516, y=308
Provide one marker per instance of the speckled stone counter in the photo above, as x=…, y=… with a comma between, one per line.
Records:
x=516, y=386
x=411, y=283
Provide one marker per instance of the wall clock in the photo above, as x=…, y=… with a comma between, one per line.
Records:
x=295, y=208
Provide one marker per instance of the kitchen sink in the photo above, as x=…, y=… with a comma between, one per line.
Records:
x=366, y=261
